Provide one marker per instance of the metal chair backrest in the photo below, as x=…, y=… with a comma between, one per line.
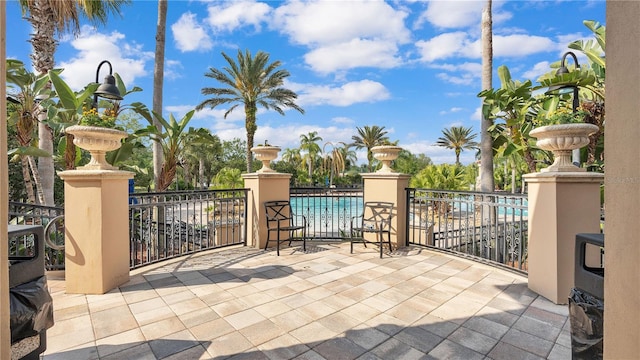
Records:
x=377, y=214
x=278, y=211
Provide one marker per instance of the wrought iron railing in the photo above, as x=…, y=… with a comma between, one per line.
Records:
x=52, y=219
x=171, y=224
x=488, y=226
x=328, y=210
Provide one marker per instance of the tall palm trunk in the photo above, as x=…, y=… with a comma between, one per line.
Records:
x=28, y=183
x=201, y=172
x=70, y=153
x=44, y=46
x=158, y=77
x=36, y=176
x=250, y=112
x=486, y=142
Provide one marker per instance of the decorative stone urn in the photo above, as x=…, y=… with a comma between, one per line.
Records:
x=561, y=140
x=266, y=154
x=385, y=154
x=98, y=141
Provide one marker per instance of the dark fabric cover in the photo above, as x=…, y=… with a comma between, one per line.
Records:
x=31, y=309
x=586, y=314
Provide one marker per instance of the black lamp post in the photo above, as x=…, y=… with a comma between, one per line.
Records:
x=565, y=89
x=108, y=89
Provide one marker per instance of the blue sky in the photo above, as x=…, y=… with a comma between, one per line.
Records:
x=413, y=67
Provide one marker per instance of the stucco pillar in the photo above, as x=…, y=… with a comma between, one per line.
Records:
x=561, y=205
x=390, y=187
x=622, y=183
x=96, y=217
x=265, y=186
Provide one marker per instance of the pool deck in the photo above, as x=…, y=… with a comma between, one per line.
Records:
x=325, y=303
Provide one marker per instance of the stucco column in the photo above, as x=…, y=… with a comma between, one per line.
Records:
x=390, y=187
x=265, y=186
x=96, y=217
x=622, y=183
x=561, y=205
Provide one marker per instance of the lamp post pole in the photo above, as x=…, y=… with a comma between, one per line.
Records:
x=562, y=89
x=108, y=89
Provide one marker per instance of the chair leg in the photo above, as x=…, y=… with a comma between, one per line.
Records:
x=380, y=243
x=304, y=239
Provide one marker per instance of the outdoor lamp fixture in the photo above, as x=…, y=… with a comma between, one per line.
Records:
x=108, y=89
x=566, y=89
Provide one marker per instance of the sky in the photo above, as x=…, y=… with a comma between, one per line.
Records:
x=413, y=67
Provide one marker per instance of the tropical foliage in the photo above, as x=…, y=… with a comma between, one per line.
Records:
x=251, y=82
x=198, y=159
x=458, y=138
x=309, y=144
x=48, y=18
x=442, y=177
x=367, y=138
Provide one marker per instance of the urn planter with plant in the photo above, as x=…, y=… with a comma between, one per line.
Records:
x=96, y=133
x=386, y=154
x=566, y=132
x=266, y=153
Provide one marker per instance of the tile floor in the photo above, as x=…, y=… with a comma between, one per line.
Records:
x=243, y=303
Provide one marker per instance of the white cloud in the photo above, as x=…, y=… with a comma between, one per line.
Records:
x=343, y=35
x=461, y=79
x=189, y=35
x=172, y=69
x=538, y=69
x=461, y=44
x=443, y=46
x=460, y=14
x=364, y=91
x=520, y=45
x=329, y=22
x=353, y=54
x=453, y=14
x=466, y=67
x=477, y=114
x=234, y=14
x=127, y=59
x=460, y=74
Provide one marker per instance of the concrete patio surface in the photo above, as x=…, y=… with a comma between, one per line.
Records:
x=325, y=303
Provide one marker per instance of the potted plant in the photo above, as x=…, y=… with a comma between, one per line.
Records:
x=96, y=133
x=386, y=154
x=564, y=131
x=265, y=153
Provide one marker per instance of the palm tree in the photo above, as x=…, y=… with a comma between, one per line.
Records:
x=199, y=147
x=228, y=178
x=172, y=139
x=292, y=156
x=458, y=138
x=336, y=160
x=369, y=137
x=486, y=142
x=158, y=79
x=27, y=88
x=48, y=17
x=250, y=82
x=309, y=144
